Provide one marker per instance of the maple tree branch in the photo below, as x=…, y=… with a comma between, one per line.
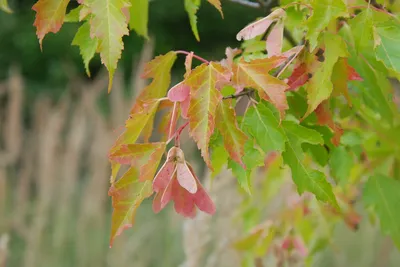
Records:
x=194, y=55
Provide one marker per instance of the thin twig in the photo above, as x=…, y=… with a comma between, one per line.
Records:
x=195, y=56
x=242, y=93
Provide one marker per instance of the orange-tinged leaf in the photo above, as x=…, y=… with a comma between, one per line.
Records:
x=204, y=83
x=188, y=64
x=109, y=24
x=254, y=74
x=324, y=117
x=260, y=26
x=342, y=73
x=234, y=138
x=49, y=17
x=146, y=157
x=127, y=194
x=217, y=5
x=299, y=77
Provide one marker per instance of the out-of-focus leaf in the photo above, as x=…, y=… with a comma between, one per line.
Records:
x=87, y=44
x=387, y=36
x=382, y=193
x=49, y=17
x=191, y=7
x=4, y=6
x=341, y=163
x=139, y=16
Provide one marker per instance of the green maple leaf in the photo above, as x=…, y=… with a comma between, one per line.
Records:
x=305, y=178
x=382, y=193
x=263, y=125
x=234, y=138
x=341, y=163
x=127, y=195
x=324, y=12
x=320, y=86
x=49, y=17
x=387, y=38
x=87, y=45
x=139, y=16
x=109, y=25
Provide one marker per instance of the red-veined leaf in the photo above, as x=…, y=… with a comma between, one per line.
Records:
x=260, y=26
x=49, y=17
x=255, y=74
x=204, y=82
x=234, y=138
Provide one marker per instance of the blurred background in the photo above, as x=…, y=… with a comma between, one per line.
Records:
x=56, y=126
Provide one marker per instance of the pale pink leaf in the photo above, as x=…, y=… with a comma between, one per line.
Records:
x=275, y=40
x=163, y=176
x=179, y=92
x=260, y=26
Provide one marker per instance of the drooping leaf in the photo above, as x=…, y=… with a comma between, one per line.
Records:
x=382, y=193
x=260, y=26
x=49, y=17
x=255, y=74
x=305, y=178
x=109, y=25
x=234, y=138
x=191, y=7
x=320, y=85
x=324, y=11
x=387, y=36
x=127, y=195
x=263, y=125
x=4, y=6
x=217, y=5
x=145, y=157
x=274, y=41
x=87, y=45
x=139, y=16
x=204, y=82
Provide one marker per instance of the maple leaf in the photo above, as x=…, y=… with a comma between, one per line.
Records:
x=263, y=125
x=217, y=5
x=146, y=157
x=254, y=74
x=324, y=11
x=139, y=16
x=320, y=85
x=306, y=180
x=343, y=72
x=274, y=40
x=191, y=7
x=87, y=45
x=324, y=117
x=204, y=82
x=127, y=194
x=387, y=36
x=260, y=26
x=109, y=25
x=230, y=55
x=49, y=17
x=234, y=138
x=382, y=193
